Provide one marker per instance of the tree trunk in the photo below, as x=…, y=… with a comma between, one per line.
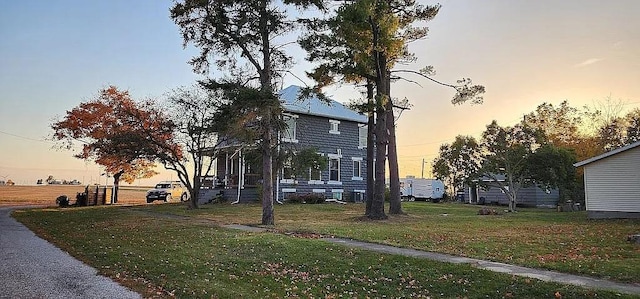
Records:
x=193, y=200
x=377, y=206
x=370, y=150
x=513, y=200
x=268, y=130
x=513, y=190
x=267, y=180
x=116, y=185
x=395, y=204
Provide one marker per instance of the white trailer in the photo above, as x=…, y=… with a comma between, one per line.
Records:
x=413, y=188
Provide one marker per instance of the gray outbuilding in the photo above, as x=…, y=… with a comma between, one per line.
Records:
x=612, y=183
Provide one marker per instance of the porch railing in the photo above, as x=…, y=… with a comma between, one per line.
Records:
x=250, y=180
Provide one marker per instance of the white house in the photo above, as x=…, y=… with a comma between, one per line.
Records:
x=612, y=183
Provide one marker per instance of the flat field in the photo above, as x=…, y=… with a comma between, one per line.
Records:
x=45, y=195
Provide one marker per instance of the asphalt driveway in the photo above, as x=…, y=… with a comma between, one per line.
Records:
x=31, y=267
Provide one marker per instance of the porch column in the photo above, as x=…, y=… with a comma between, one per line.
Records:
x=226, y=169
x=241, y=169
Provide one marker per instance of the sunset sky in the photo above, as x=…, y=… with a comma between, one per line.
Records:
x=56, y=54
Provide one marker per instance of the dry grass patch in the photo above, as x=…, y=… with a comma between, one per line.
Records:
x=45, y=195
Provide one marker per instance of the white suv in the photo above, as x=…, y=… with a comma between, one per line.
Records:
x=167, y=191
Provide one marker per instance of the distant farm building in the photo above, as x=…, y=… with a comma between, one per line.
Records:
x=491, y=194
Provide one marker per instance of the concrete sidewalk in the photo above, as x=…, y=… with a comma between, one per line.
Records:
x=544, y=275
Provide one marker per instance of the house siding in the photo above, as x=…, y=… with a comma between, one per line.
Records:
x=529, y=196
x=313, y=118
x=313, y=131
x=612, y=184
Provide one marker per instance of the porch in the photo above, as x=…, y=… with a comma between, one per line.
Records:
x=235, y=180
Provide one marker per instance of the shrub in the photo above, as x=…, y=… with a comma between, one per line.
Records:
x=81, y=199
x=62, y=201
x=314, y=198
x=305, y=198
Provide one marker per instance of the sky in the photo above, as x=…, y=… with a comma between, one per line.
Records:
x=56, y=54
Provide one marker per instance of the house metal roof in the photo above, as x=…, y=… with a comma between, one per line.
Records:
x=485, y=178
x=607, y=154
x=317, y=107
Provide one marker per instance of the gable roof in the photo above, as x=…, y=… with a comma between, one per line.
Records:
x=317, y=107
x=607, y=154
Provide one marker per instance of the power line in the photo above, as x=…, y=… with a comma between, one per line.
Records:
x=512, y=122
x=24, y=137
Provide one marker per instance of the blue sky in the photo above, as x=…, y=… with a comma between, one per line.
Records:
x=56, y=54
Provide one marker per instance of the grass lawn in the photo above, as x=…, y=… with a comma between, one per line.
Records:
x=540, y=238
x=186, y=257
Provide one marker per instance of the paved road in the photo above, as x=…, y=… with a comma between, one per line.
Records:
x=31, y=267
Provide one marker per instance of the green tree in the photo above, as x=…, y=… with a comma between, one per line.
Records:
x=194, y=113
x=620, y=131
x=239, y=37
x=342, y=45
x=304, y=161
x=551, y=166
x=632, y=120
x=561, y=125
x=506, y=155
x=564, y=128
x=458, y=163
x=612, y=135
x=362, y=43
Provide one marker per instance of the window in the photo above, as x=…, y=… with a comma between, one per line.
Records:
x=289, y=134
x=357, y=169
x=362, y=136
x=287, y=171
x=288, y=193
x=315, y=174
x=333, y=126
x=337, y=194
x=334, y=169
x=358, y=195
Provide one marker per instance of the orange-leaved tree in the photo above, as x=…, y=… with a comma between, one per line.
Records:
x=118, y=133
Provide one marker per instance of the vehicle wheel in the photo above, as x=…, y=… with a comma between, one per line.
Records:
x=183, y=197
x=167, y=198
x=149, y=200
